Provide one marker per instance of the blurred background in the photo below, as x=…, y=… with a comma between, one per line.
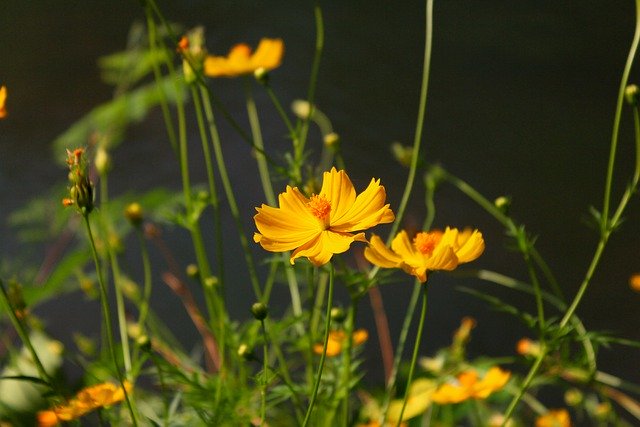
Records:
x=521, y=103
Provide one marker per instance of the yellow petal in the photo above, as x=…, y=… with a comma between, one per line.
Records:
x=418, y=401
x=368, y=210
x=338, y=189
x=3, y=100
x=269, y=54
x=470, y=246
x=494, y=380
x=321, y=249
x=379, y=254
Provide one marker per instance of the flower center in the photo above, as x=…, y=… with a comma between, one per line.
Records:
x=426, y=242
x=319, y=206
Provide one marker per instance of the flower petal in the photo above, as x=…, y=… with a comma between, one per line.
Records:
x=320, y=249
x=268, y=55
x=367, y=210
x=338, y=189
x=379, y=254
x=470, y=245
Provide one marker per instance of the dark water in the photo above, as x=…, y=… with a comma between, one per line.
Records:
x=521, y=102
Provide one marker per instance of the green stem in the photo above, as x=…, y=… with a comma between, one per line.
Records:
x=226, y=183
x=420, y=121
x=327, y=330
x=146, y=268
x=604, y=225
x=265, y=368
x=299, y=144
x=24, y=336
x=283, y=114
x=533, y=371
x=416, y=349
x=106, y=317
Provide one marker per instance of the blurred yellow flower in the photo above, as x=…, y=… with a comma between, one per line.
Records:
x=527, y=347
x=3, y=101
x=322, y=225
x=418, y=401
x=429, y=250
x=88, y=399
x=468, y=385
x=337, y=339
x=241, y=61
x=554, y=418
x=634, y=282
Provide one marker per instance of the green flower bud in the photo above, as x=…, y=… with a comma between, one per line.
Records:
x=338, y=314
x=632, y=95
x=193, y=271
x=245, y=352
x=133, y=212
x=259, y=311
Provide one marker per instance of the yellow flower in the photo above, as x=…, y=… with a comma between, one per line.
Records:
x=468, y=386
x=88, y=399
x=3, y=101
x=554, y=418
x=240, y=61
x=634, y=282
x=418, y=401
x=322, y=225
x=429, y=250
x=337, y=340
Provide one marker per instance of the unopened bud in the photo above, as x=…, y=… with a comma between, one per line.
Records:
x=301, y=108
x=211, y=281
x=245, y=352
x=192, y=271
x=331, y=139
x=338, y=315
x=133, y=212
x=573, y=397
x=259, y=311
x=143, y=342
x=632, y=95
x=402, y=154
x=261, y=75
x=503, y=203
x=102, y=161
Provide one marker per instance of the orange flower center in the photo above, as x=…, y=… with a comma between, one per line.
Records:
x=319, y=206
x=426, y=242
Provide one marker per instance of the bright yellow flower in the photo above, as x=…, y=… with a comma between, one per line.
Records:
x=337, y=339
x=429, y=250
x=3, y=101
x=88, y=399
x=554, y=418
x=322, y=225
x=418, y=401
x=241, y=61
x=634, y=282
x=468, y=386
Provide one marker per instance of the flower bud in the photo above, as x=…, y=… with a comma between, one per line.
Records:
x=245, y=352
x=259, y=311
x=211, y=281
x=331, y=139
x=402, y=154
x=503, y=203
x=82, y=194
x=102, y=161
x=133, y=212
x=301, y=108
x=262, y=76
x=143, y=342
x=573, y=397
x=193, y=271
x=338, y=314
x=632, y=95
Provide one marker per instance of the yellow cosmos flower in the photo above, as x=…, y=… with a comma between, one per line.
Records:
x=322, y=225
x=468, y=385
x=418, y=401
x=88, y=399
x=241, y=61
x=554, y=418
x=432, y=250
x=3, y=101
x=337, y=339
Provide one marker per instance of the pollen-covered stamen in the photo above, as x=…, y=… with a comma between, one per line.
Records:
x=426, y=242
x=320, y=207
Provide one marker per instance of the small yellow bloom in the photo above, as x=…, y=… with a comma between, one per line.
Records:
x=527, y=347
x=322, y=225
x=432, y=250
x=554, y=418
x=634, y=282
x=3, y=101
x=337, y=339
x=88, y=399
x=418, y=401
x=241, y=61
x=468, y=386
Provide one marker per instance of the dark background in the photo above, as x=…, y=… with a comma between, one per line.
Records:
x=521, y=103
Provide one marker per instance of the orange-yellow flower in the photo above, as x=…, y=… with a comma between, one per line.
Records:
x=468, y=385
x=322, y=225
x=241, y=61
x=554, y=418
x=429, y=250
x=634, y=282
x=3, y=101
x=337, y=339
x=88, y=399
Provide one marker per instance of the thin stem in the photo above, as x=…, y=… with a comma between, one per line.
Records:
x=604, y=225
x=327, y=329
x=420, y=121
x=416, y=349
x=106, y=316
x=226, y=183
x=533, y=371
x=315, y=67
x=24, y=336
x=265, y=368
x=283, y=114
x=146, y=268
